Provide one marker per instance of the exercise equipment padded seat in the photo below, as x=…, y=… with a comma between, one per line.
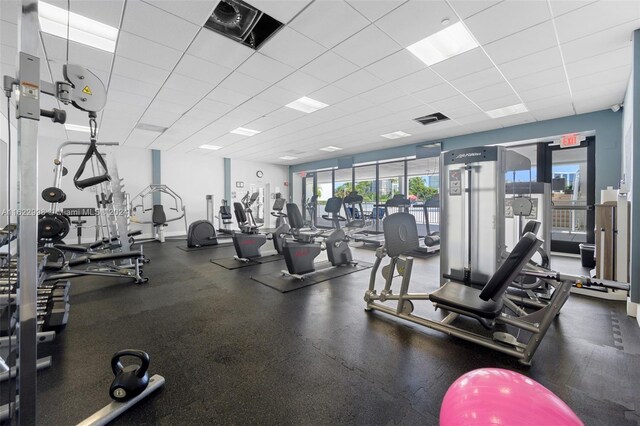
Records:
x=487, y=303
x=158, y=217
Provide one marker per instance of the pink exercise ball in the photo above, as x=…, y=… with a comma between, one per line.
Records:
x=493, y=396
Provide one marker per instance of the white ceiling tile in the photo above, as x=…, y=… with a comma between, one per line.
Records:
x=417, y=81
x=402, y=104
x=367, y=46
x=467, y=63
x=195, y=11
x=130, y=85
x=302, y=83
x=330, y=95
x=197, y=89
x=358, y=82
x=600, y=15
x=208, y=107
x=482, y=126
x=612, y=76
x=159, y=117
x=553, y=112
x=382, y=94
x=531, y=64
x=274, y=119
x=415, y=20
x=329, y=22
x=480, y=117
x=560, y=7
x=467, y=8
x=436, y=93
x=354, y=104
x=600, y=42
x=329, y=67
x=478, y=80
x=512, y=16
x=292, y=48
x=375, y=9
x=523, y=43
x=227, y=96
x=199, y=69
x=169, y=105
x=539, y=93
x=264, y=68
x=132, y=69
x=395, y=66
x=562, y=100
x=282, y=10
x=500, y=102
x=155, y=24
x=219, y=49
x=133, y=101
x=490, y=92
x=148, y=52
x=455, y=107
x=140, y=138
x=278, y=95
x=539, y=79
x=244, y=84
x=516, y=119
x=260, y=106
x=178, y=97
x=612, y=59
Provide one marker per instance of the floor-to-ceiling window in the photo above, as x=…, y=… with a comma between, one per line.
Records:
x=365, y=185
x=324, y=191
x=423, y=181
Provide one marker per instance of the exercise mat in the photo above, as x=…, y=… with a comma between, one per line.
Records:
x=324, y=272
x=232, y=263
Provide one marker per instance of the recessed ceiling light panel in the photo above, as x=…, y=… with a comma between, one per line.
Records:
x=396, y=135
x=508, y=110
x=245, y=132
x=307, y=105
x=211, y=147
x=288, y=157
x=331, y=148
x=451, y=41
x=151, y=127
x=83, y=30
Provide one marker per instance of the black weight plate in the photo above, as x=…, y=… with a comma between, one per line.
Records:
x=53, y=195
x=52, y=227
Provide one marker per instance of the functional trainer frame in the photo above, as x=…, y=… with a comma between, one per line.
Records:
x=491, y=306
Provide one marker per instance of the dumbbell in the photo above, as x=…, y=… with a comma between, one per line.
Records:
x=54, y=315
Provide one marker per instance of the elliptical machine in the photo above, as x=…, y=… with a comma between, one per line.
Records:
x=282, y=227
x=202, y=233
x=225, y=219
x=248, y=241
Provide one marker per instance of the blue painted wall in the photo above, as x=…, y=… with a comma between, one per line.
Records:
x=606, y=124
x=156, y=174
x=635, y=184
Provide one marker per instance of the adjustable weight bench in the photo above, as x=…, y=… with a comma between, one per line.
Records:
x=100, y=264
x=490, y=306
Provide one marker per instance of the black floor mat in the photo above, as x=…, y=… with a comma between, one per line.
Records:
x=220, y=244
x=232, y=263
x=324, y=272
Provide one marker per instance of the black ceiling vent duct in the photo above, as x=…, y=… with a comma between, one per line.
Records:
x=431, y=118
x=242, y=22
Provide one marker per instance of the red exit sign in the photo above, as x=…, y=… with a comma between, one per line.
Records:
x=568, y=141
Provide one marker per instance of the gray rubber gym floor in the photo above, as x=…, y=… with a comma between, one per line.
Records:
x=234, y=351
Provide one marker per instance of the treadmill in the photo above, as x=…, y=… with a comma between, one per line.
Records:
x=354, y=212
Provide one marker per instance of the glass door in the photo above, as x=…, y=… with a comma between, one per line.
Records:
x=324, y=191
x=573, y=196
x=308, y=203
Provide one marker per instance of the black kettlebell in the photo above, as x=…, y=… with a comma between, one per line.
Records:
x=132, y=380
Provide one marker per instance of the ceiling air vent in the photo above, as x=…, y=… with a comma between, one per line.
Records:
x=431, y=118
x=242, y=22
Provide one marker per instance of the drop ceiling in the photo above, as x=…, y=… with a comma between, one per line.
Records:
x=558, y=58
